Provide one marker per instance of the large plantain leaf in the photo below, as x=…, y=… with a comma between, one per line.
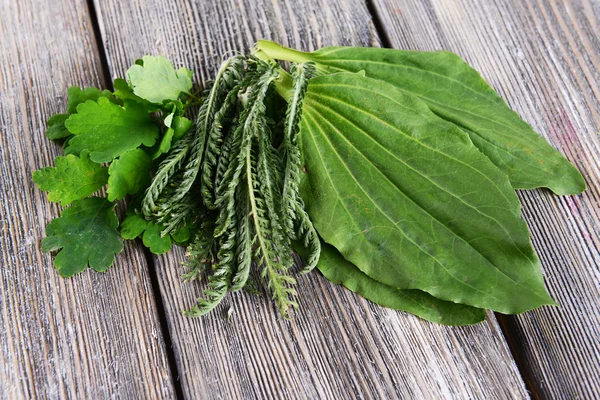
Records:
x=338, y=270
x=408, y=199
x=457, y=93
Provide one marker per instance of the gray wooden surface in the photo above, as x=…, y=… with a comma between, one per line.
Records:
x=100, y=335
x=96, y=335
x=543, y=57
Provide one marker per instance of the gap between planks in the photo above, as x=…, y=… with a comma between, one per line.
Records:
x=160, y=307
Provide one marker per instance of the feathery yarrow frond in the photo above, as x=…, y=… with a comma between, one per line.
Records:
x=238, y=173
x=167, y=170
x=301, y=74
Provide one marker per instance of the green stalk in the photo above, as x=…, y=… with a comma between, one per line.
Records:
x=279, y=52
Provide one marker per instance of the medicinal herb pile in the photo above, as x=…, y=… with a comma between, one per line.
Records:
x=393, y=172
x=245, y=166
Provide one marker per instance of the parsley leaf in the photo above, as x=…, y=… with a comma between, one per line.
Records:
x=87, y=234
x=73, y=178
x=128, y=174
x=156, y=79
x=124, y=92
x=181, y=236
x=178, y=126
x=134, y=225
x=108, y=130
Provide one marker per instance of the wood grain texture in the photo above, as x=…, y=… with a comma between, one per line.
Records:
x=338, y=345
x=543, y=56
x=95, y=335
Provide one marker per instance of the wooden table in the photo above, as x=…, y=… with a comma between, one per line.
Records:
x=120, y=334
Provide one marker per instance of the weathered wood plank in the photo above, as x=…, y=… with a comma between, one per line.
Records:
x=96, y=335
x=338, y=345
x=543, y=57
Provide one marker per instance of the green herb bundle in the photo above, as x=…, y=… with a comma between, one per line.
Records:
x=245, y=165
x=393, y=172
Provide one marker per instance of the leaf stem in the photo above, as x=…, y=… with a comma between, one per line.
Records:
x=193, y=97
x=279, y=52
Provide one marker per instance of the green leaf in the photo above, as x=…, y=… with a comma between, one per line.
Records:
x=338, y=270
x=154, y=241
x=76, y=96
x=128, y=174
x=133, y=226
x=457, y=93
x=168, y=120
x=181, y=235
x=56, y=127
x=156, y=80
x=408, y=199
x=85, y=233
x=72, y=179
x=124, y=92
x=108, y=130
x=178, y=127
x=165, y=144
x=56, y=123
